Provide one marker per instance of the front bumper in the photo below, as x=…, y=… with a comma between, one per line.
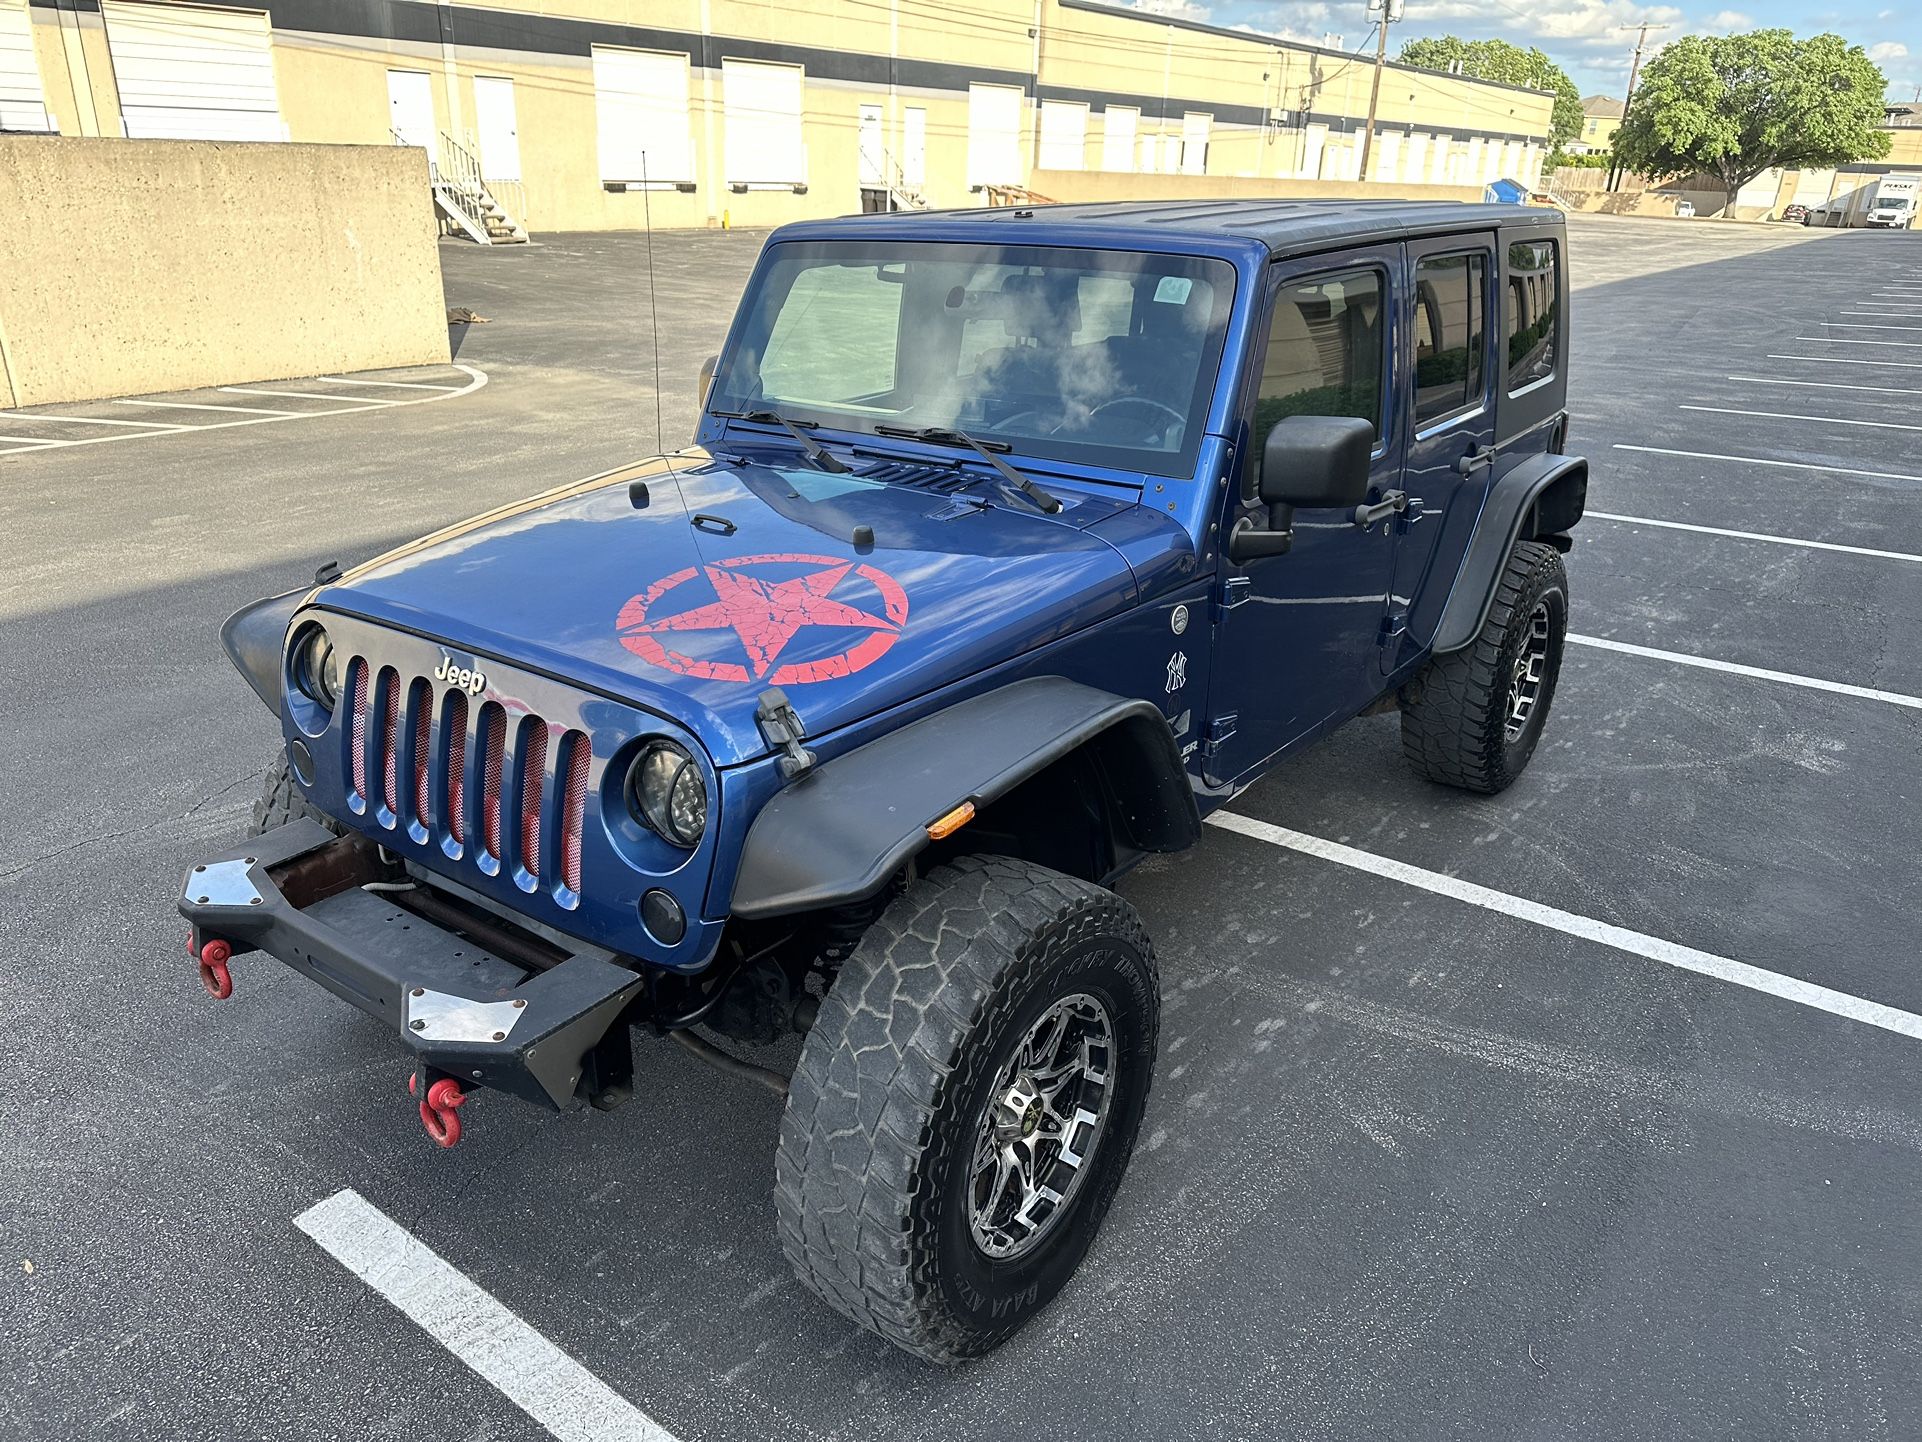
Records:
x=551, y=1034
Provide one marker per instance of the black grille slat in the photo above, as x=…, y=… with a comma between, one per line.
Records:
x=942, y=480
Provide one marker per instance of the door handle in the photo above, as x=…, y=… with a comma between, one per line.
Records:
x=1476, y=458
x=1392, y=504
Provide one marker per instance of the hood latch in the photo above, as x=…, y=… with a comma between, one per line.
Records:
x=782, y=728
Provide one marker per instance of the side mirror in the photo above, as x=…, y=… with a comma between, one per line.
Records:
x=1317, y=461
x=707, y=379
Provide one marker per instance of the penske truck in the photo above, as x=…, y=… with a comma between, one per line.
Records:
x=1895, y=202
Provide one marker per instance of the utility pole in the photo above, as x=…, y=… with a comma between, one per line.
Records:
x=1387, y=11
x=1634, y=70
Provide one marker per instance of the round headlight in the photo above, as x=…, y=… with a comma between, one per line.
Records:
x=667, y=793
x=317, y=669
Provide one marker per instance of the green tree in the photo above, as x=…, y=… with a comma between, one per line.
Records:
x=1511, y=65
x=1737, y=105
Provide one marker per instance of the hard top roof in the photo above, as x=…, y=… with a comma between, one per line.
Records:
x=1281, y=225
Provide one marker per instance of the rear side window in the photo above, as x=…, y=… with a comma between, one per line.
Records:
x=1533, y=319
x=1448, y=334
x=1324, y=355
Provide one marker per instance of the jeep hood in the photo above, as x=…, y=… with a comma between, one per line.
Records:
x=736, y=577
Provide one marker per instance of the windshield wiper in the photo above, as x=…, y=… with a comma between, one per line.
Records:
x=946, y=436
x=816, y=452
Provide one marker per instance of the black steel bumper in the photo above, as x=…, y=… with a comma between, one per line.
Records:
x=551, y=1034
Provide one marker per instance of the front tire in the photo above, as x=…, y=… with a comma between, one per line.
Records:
x=1471, y=719
x=281, y=802
x=966, y=1104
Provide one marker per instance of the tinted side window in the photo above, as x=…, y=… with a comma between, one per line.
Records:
x=1324, y=354
x=1448, y=334
x=1533, y=306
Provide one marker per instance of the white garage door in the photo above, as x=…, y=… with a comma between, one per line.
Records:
x=1064, y=135
x=22, y=106
x=188, y=73
x=763, y=131
x=994, y=135
x=640, y=105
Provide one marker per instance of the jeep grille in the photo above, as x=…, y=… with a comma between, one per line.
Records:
x=522, y=799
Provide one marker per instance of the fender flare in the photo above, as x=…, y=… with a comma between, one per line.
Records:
x=1514, y=502
x=842, y=830
x=254, y=638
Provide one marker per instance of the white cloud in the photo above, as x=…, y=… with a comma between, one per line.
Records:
x=1174, y=9
x=1727, y=22
x=1888, y=50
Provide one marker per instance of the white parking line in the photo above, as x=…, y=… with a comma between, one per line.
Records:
x=99, y=421
x=1757, y=673
x=531, y=1372
x=27, y=442
x=1858, y=325
x=261, y=415
x=1829, y=385
x=1830, y=360
x=1849, y=340
x=1791, y=416
x=310, y=396
x=203, y=406
x=1653, y=948
x=1765, y=461
x=1753, y=536
x=397, y=385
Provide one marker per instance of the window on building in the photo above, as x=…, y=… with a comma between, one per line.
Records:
x=640, y=105
x=1118, y=126
x=994, y=135
x=1449, y=304
x=22, y=103
x=187, y=73
x=1534, y=313
x=1325, y=352
x=1195, y=129
x=763, y=139
x=1064, y=135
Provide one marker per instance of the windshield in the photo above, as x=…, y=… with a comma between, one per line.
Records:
x=1102, y=357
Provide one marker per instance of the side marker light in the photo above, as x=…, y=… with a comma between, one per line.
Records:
x=952, y=822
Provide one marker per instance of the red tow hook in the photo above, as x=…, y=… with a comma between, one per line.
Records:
x=437, y=1113
x=213, y=957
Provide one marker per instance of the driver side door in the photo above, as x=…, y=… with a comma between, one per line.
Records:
x=1301, y=635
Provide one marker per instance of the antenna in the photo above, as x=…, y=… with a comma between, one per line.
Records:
x=653, y=311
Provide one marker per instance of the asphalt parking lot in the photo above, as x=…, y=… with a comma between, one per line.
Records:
x=1421, y=1162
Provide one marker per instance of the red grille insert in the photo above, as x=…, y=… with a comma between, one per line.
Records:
x=573, y=807
x=357, y=726
x=390, y=739
x=533, y=766
x=493, y=757
x=457, y=766
x=423, y=728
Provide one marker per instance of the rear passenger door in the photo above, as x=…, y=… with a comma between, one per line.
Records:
x=1450, y=310
x=1301, y=633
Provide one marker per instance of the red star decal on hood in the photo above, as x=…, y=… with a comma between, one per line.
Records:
x=765, y=615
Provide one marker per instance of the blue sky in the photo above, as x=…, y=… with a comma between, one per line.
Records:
x=1581, y=35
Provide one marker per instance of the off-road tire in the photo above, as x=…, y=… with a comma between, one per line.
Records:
x=1455, y=713
x=871, y=1171
x=281, y=802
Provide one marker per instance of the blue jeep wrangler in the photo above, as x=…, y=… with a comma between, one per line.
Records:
x=1011, y=544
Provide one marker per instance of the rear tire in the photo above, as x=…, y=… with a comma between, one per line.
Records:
x=1471, y=719
x=281, y=802
x=924, y=1130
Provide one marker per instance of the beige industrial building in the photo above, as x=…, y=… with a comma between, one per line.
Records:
x=752, y=112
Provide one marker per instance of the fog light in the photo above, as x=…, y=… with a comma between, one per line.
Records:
x=661, y=914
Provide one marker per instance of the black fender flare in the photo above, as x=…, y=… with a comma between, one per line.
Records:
x=1545, y=496
x=255, y=637
x=842, y=830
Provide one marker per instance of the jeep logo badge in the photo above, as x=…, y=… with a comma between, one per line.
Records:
x=472, y=682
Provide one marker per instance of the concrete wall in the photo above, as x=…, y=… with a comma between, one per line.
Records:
x=1094, y=185
x=149, y=265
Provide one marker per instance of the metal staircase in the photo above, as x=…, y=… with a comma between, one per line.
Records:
x=462, y=196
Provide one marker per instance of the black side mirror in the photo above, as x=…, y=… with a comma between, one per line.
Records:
x=1317, y=461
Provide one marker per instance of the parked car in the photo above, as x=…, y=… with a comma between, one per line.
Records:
x=1011, y=544
x=1795, y=214
x=1685, y=209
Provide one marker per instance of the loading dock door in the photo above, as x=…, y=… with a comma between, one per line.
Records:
x=187, y=73
x=994, y=136
x=500, y=140
x=22, y=105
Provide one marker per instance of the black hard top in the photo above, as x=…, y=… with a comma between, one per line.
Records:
x=1281, y=225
